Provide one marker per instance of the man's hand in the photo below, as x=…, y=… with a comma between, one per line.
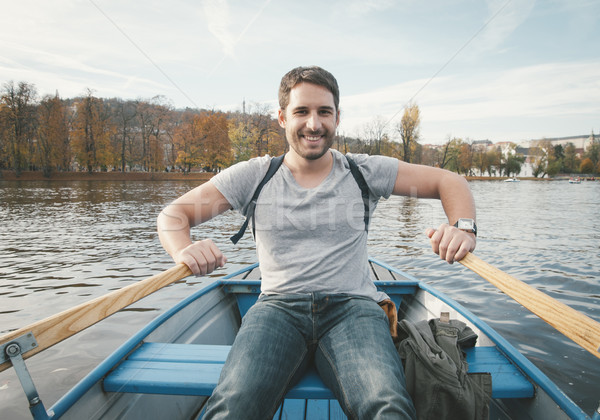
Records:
x=450, y=243
x=202, y=257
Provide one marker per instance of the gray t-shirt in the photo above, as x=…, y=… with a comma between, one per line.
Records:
x=311, y=239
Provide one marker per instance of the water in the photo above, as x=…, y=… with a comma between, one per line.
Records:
x=64, y=243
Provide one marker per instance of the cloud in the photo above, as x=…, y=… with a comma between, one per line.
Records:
x=219, y=22
x=545, y=91
x=504, y=17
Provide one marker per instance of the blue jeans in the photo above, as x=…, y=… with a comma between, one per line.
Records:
x=347, y=338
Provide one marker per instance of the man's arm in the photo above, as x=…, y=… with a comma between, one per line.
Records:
x=175, y=221
x=450, y=243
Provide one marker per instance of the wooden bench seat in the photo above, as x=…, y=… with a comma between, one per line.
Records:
x=193, y=369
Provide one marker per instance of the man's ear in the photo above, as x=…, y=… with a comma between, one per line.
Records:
x=281, y=117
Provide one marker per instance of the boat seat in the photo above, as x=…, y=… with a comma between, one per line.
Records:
x=194, y=369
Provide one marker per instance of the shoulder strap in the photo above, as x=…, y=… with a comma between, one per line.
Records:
x=273, y=167
x=364, y=188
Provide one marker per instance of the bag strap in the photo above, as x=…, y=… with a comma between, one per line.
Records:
x=364, y=188
x=273, y=167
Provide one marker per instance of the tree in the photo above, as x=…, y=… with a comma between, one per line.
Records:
x=512, y=163
x=451, y=155
x=593, y=152
x=480, y=159
x=153, y=116
x=538, y=156
x=409, y=129
x=216, y=153
x=202, y=140
x=54, y=150
x=91, y=133
x=587, y=166
x=374, y=133
x=188, y=138
x=465, y=158
x=571, y=161
x=240, y=140
x=18, y=117
x=124, y=116
x=258, y=121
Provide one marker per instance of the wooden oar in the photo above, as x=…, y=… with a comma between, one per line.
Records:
x=58, y=327
x=573, y=324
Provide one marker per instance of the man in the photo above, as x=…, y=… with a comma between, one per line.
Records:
x=318, y=304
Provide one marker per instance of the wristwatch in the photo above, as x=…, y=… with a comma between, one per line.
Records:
x=468, y=225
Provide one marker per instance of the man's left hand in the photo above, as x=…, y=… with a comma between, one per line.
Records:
x=451, y=243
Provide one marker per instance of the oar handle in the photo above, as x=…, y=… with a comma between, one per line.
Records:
x=578, y=327
x=60, y=326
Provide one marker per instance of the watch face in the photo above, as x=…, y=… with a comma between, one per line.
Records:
x=465, y=224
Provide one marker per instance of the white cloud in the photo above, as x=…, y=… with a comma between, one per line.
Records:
x=545, y=91
x=504, y=17
x=218, y=20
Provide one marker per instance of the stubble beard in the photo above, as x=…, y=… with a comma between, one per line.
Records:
x=296, y=143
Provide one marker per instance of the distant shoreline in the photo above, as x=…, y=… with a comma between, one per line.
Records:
x=6, y=175
x=106, y=176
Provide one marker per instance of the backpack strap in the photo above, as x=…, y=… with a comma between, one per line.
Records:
x=364, y=188
x=273, y=167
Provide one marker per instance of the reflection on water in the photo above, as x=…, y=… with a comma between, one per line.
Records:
x=64, y=243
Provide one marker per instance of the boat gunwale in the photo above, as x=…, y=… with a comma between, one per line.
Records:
x=527, y=367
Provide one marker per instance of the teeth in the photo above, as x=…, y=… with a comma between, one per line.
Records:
x=312, y=138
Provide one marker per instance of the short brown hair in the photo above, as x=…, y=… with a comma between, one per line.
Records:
x=313, y=74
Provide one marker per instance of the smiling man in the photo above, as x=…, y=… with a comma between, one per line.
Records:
x=318, y=305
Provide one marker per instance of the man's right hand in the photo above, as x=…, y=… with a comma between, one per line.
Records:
x=202, y=257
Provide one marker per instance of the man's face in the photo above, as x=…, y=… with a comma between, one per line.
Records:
x=310, y=120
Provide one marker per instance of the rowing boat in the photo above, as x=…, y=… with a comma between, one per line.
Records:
x=170, y=367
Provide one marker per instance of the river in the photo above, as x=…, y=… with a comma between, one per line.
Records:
x=63, y=243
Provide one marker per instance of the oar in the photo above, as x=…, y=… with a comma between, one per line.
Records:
x=56, y=328
x=573, y=324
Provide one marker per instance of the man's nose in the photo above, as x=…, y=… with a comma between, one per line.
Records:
x=314, y=122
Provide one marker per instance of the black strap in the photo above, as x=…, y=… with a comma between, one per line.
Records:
x=273, y=167
x=364, y=188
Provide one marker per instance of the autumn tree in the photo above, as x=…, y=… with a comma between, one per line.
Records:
x=216, y=151
x=91, y=133
x=54, y=151
x=593, y=152
x=465, y=158
x=202, y=140
x=152, y=117
x=408, y=128
x=124, y=117
x=19, y=123
x=240, y=139
x=587, y=166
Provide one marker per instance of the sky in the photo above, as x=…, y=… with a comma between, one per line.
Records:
x=502, y=70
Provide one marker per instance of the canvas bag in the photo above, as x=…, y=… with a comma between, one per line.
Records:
x=436, y=370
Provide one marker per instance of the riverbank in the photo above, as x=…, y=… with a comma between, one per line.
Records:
x=178, y=176
x=106, y=176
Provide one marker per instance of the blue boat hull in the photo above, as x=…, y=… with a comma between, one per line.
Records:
x=203, y=325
